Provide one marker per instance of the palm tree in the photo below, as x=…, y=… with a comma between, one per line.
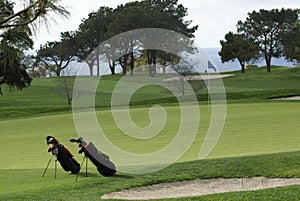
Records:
x=15, y=37
x=34, y=11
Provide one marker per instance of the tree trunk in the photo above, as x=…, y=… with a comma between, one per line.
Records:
x=164, y=66
x=123, y=62
x=91, y=68
x=69, y=101
x=149, y=58
x=154, y=63
x=98, y=66
x=182, y=85
x=112, y=67
x=242, y=66
x=123, y=71
x=57, y=72
x=267, y=58
x=268, y=63
x=69, y=98
x=131, y=63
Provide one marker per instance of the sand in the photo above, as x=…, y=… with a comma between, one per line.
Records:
x=201, y=77
x=289, y=98
x=200, y=187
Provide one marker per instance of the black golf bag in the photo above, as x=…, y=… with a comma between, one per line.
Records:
x=104, y=166
x=63, y=155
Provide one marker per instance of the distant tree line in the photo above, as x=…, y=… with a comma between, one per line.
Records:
x=264, y=34
x=107, y=22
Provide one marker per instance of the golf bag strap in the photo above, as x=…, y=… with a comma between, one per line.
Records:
x=68, y=152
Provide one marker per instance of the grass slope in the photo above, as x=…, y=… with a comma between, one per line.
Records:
x=260, y=138
x=255, y=84
x=24, y=155
x=31, y=186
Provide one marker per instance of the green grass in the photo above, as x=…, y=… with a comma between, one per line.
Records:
x=31, y=186
x=260, y=138
x=261, y=130
x=254, y=85
x=257, y=83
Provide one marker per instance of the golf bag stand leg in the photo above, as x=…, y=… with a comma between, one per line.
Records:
x=55, y=168
x=86, y=166
x=47, y=166
x=84, y=158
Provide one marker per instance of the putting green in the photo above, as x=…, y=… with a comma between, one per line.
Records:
x=250, y=129
x=260, y=128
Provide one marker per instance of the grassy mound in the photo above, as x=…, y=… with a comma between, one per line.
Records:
x=254, y=85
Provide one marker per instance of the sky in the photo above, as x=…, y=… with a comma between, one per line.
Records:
x=214, y=18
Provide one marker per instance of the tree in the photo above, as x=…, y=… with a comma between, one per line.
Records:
x=291, y=43
x=238, y=46
x=265, y=27
x=167, y=59
x=166, y=14
x=12, y=69
x=58, y=53
x=38, y=70
x=183, y=68
x=107, y=22
x=64, y=86
x=125, y=18
x=91, y=33
x=15, y=37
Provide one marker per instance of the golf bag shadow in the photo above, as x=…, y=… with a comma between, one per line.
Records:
x=63, y=155
x=104, y=166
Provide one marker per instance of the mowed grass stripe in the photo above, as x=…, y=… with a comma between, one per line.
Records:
x=250, y=129
x=260, y=128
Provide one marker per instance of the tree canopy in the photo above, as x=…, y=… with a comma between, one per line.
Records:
x=265, y=27
x=237, y=46
x=291, y=42
x=15, y=37
x=12, y=69
x=106, y=23
x=56, y=56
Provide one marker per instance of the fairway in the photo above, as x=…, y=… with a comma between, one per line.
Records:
x=262, y=130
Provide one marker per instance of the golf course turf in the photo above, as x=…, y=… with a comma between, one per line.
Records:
x=260, y=138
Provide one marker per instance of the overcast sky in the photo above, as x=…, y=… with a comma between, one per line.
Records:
x=215, y=18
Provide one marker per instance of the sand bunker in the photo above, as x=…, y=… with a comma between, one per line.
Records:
x=289, y=98
x=200, y=187
x=201, y=77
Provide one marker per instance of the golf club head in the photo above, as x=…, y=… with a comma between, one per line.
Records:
x=73, y=140
x=51, y=140
x=77, y=141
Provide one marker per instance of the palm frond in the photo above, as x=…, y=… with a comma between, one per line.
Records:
x=35, y=12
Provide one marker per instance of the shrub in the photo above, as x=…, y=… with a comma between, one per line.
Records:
x=249, y=66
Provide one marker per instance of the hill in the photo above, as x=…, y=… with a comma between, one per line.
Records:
x=255, y=85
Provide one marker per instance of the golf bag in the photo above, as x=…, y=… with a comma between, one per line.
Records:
x=104, y=166
x=63, y=155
